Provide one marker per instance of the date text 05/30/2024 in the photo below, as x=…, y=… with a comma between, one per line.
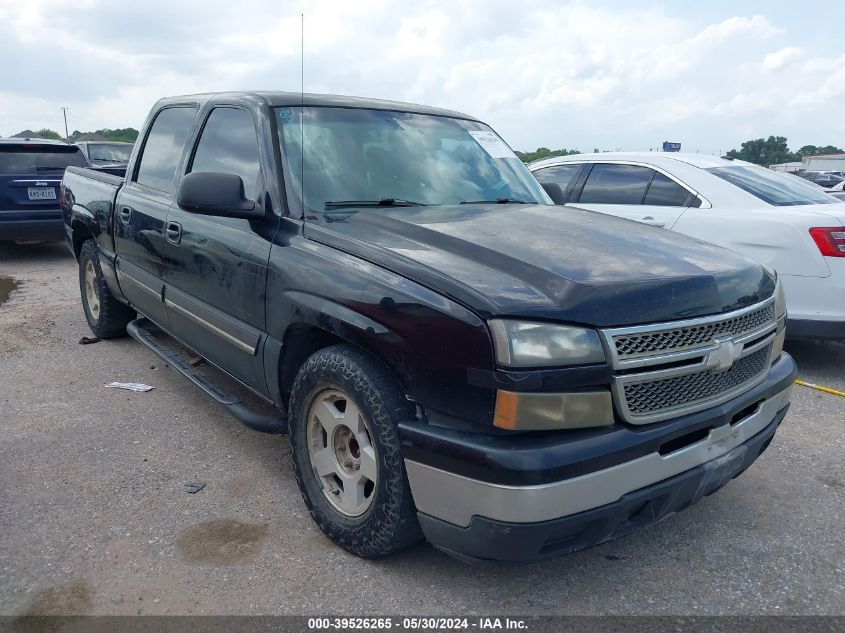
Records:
x=414, y=623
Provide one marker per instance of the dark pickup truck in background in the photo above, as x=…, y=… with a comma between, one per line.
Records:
x=451, y=355
x=111, y=157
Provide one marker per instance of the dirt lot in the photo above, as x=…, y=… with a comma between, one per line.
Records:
x=95, y=520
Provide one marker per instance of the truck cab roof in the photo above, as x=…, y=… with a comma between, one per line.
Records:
x=278, y=98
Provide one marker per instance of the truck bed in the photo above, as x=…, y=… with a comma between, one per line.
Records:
x=89, y=197
x=95, y=174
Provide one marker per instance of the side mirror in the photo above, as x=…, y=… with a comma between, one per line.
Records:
x=212, y=193
x=554, y=191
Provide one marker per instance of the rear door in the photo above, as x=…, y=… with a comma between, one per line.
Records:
x=142, y=206
x=30, y=174
x=635, y=192
x=217, y=267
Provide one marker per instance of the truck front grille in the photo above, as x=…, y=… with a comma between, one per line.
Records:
x=670, y=369
x=652, y=397
x=679, y=338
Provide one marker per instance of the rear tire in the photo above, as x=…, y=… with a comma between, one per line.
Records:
x=344, y=436
x=107, y=317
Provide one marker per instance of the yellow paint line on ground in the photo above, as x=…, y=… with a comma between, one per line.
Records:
x=820, y=388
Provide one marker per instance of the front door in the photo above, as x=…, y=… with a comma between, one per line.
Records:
x=141, y=211
x=217, y=267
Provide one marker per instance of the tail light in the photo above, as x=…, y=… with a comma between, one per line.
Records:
x=831, y=241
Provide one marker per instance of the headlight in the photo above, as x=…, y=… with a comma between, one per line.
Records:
x=780, y=300
x=525, y=344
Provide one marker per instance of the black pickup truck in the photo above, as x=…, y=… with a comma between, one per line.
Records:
x=452, y=356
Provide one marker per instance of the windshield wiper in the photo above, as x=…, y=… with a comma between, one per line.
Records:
x=46, y=168
x=496, y=201
x=381, y=202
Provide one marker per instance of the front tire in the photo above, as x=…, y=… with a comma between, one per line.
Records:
x=107, y=317
x=344, y=438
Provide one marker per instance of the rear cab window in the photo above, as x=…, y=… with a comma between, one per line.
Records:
x=109, y=153
x=36, y=158
x=771, y=187
x=163, y=148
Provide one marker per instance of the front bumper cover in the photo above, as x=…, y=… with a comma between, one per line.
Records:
x=491, y=540
x=475, y=491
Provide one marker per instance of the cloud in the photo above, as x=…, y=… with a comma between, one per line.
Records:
x=782, y=58
x=576, y=74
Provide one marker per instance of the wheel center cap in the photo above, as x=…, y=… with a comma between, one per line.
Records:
x=347, y=450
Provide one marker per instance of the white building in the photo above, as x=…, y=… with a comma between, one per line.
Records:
x=824, y=162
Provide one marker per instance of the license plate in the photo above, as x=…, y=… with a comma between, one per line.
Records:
x=41, y=193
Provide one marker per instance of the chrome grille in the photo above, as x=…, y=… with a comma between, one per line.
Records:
x=657, y=396
x=690, y=336
x=664, y=370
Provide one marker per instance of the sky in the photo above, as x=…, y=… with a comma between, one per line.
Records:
x=579, y=75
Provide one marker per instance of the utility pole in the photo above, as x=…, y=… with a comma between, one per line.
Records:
x=64, y=112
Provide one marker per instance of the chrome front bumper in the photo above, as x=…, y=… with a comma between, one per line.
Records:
x=456, y=499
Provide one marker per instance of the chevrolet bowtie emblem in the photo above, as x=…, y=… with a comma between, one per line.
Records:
x=724, y=355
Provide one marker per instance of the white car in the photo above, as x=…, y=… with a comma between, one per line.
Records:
x=792, y=226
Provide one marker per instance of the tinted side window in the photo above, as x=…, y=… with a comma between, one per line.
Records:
x=562, y=175
x=666, y=192
x=163, y=148
x=229, y=145
x=616, y=184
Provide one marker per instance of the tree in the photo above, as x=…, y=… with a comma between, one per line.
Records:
x=45, y=133
x=768, y=151
x=544, y=152
x=812, y=150
x=122, y=135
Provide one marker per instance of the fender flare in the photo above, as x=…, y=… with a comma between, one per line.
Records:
x=82, y=217
x=337, y=322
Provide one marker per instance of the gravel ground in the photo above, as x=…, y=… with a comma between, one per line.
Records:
x=94, y=518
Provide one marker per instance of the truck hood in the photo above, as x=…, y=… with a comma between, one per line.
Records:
x=548, y=262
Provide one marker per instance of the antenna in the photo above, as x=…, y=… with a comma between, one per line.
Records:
x=302, y=107
x=64, y=112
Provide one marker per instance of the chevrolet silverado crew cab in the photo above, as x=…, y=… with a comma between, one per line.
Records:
x=452, y=357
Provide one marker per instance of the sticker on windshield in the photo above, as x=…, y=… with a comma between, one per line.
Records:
x=492, y=144
x=287, y=115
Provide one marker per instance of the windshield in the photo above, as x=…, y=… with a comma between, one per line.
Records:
x=109, y=152
x=28, y=159
x=772, y=187
x=378, y=157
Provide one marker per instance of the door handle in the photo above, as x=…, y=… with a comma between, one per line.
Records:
x=125, y=215
x=173, y=232
x=652, y=222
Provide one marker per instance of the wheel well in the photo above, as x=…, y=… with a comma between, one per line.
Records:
x=301, y=341
x=80, y=234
